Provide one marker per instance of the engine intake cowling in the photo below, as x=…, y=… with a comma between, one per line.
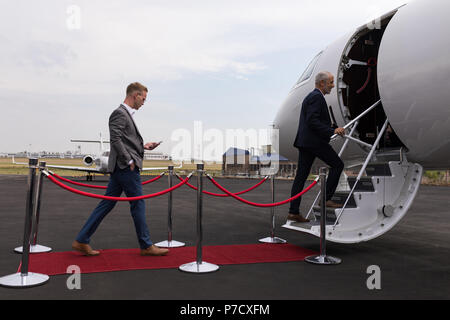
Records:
x=88, y=161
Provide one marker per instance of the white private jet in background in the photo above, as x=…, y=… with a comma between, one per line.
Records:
x=97, y=163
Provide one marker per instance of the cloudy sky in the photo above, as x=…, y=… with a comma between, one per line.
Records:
x=229, y=64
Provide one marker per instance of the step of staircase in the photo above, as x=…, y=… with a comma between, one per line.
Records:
x=305, y=226
x=330, y=214
x=378, y=169
x=365, y=184
x=341, y=196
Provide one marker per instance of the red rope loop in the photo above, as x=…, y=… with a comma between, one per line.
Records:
x=76, y=183
x=154, y=179
x=93, y=195
x=98, y=187
x=262, y=204
x=221, y=194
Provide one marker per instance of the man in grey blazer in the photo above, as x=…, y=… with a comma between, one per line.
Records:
x=125, y=162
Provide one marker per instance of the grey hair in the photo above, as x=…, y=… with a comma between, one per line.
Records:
x=322, y=76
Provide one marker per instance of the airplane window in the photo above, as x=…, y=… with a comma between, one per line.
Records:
x=309, y=70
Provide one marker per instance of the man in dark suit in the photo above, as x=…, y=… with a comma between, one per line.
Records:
x=312, y=140
x=125, y=161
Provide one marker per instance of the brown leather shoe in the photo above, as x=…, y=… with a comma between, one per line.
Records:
x=154, y=251
x=84, y=249
x=332, y=204
x=297, y=218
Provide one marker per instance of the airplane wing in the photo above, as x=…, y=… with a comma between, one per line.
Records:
x=85, y=169
x=14, y=161
x=88, y=141
x=95, y=170
x=161, y=168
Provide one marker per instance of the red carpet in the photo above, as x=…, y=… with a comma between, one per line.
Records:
x=55, y=263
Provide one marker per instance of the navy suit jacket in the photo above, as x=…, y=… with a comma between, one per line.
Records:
x=314, y=129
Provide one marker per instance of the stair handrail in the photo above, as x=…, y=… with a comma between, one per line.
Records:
x=366, y=162
x=344, y=146
x=349, y=137
x=358, y=117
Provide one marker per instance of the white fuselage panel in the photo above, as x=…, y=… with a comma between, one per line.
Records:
x=414, y=80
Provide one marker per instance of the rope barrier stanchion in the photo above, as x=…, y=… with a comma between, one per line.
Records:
x=37, y=248
x=322, y=258
x=272, y=238
x=25, y=279
x=170, y=243
x=199, y=266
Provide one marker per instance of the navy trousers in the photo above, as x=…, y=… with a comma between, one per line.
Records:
x=305, y=161
x=121, y=180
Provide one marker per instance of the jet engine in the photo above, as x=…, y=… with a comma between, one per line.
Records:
x=88, y=161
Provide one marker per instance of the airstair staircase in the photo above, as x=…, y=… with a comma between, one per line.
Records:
x=374, y=199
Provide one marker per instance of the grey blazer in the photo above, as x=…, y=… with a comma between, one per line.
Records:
x=125, y=140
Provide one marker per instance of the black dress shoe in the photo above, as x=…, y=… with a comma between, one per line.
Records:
x=297, y=218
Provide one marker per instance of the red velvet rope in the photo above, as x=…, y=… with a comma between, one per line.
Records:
x=97, y=187
x=153, y=180
x=262, y=204
x=225, y=195
x=77, y=183
x=93, y=195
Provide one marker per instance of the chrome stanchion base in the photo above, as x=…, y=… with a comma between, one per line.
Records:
x=17, y=280
x=203, y=267
x=34, y=249
x=272, y=240
x=318, y=259
x=170, y=244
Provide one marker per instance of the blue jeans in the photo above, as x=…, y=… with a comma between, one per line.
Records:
x=129, y=182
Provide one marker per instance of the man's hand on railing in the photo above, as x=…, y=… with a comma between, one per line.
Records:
x=339, y=131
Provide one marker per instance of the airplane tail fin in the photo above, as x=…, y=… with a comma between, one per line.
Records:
x=14, y=161
x=101, y=142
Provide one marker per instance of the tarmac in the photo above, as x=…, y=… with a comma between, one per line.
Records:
x=413, y=258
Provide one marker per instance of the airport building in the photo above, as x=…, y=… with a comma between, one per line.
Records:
x=241, y=162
